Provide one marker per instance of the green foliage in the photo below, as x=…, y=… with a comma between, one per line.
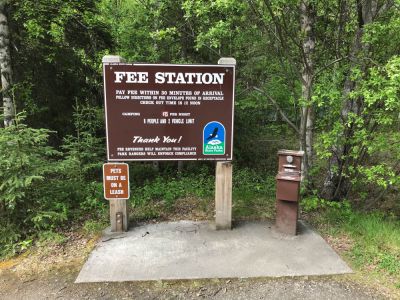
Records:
x=42, y=188
x=56, y=52
x=26, y=165
x=84, y=153
x=253, y=194
x=50, y=238
x=376, y=239
x=219, y=21
x=146, y=211
x=139, y=174
x=91, y=227
x=255, y=182
x=371, y=241
x=314, y=203
x=369, y=137
x=25, y=162
x=131, y=24
x=168, y=189
x=9, y=237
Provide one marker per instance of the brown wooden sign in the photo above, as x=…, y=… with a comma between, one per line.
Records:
x=116, y=181
x=169, y=112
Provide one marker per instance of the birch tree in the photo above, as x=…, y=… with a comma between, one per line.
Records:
x=296, y=48
x=5, y=67
x=307, y=21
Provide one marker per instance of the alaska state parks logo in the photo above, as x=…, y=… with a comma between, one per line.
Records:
x=214, y=139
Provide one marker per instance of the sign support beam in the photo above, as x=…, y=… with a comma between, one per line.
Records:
x=223, y=181
x=223, y=195
x=119, y=214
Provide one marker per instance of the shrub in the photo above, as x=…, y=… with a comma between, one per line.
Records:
x=27, y=164
x=42, y=188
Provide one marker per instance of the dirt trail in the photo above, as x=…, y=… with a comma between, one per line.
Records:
x=59, y=284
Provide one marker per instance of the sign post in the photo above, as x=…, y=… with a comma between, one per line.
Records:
x=223, y=183
x=116, y=190
x=118, y=207
x=158, y=112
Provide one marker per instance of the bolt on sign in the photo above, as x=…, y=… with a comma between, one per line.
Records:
x=169, y=112
x=116, y=181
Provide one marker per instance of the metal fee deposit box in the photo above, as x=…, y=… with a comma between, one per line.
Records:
x=288, y=190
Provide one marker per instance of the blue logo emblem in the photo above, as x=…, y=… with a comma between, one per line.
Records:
x=214, y=139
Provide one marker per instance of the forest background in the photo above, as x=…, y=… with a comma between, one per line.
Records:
x=321, y=76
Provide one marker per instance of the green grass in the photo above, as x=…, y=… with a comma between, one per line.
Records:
x=48, y=238
x=375, y=239
x=167, y=189
x=94, y=227
x=253, y=194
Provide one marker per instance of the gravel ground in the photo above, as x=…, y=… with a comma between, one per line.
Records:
x=59, y=284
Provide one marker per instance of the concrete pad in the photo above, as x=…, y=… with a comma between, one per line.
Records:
x=194, y=250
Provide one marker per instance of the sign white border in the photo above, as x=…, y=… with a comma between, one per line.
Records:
x=169, y=159
x=104, y=181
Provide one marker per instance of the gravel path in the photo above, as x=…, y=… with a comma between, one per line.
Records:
x=60, y=285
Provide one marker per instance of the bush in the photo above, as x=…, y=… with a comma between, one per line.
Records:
x=26, y=165
x=83, y=158
x=42, y=188
x=9, y=237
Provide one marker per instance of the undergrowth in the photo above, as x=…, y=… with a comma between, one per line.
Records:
x=253, y=193
x=375, y=237
x=171, y=187
x=44, y=190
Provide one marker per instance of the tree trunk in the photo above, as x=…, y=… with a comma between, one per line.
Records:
x=307, y=19
x=5, y=68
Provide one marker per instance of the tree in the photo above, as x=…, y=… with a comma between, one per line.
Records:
x=297, y=46
x=5, y=68
x=360, y=122
x=57, y=51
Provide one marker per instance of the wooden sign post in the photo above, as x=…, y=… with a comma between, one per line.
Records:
x=117, y=190
x=223, y=182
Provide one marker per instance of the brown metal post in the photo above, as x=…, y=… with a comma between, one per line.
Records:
x=288, y=191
